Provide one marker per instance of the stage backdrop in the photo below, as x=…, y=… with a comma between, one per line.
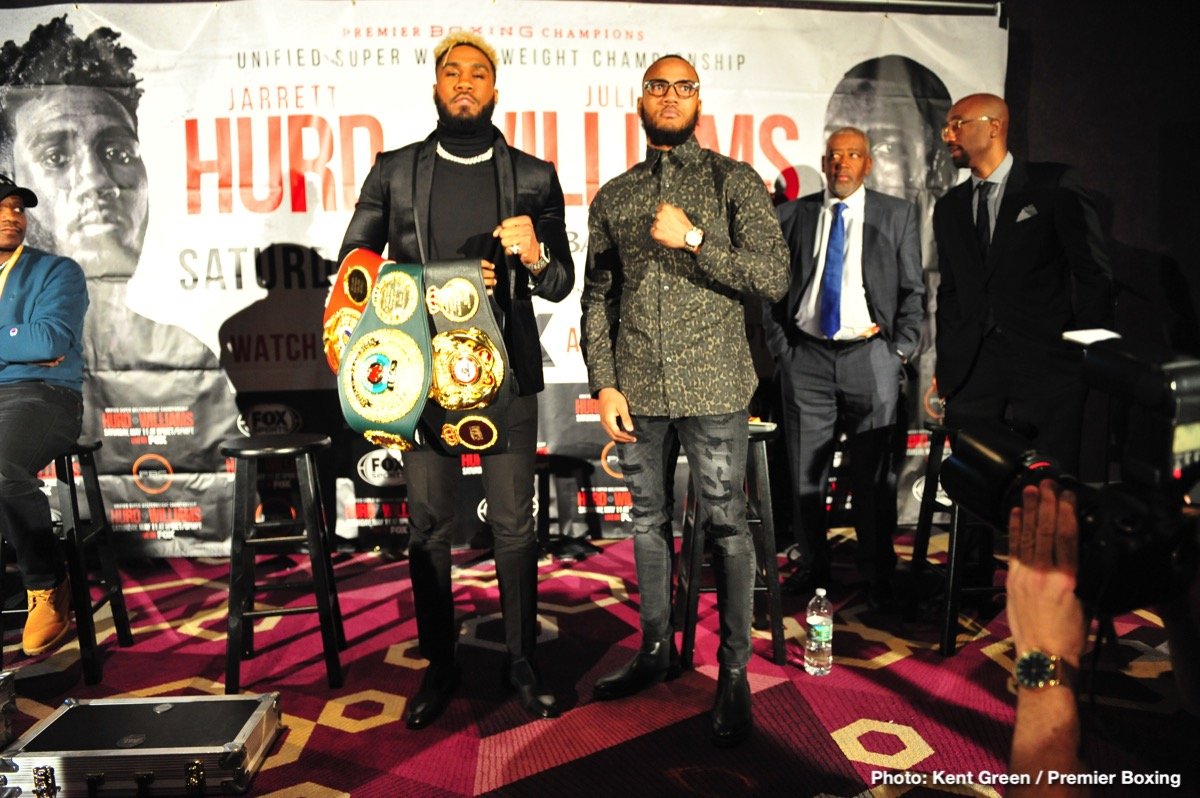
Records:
x=256, y=122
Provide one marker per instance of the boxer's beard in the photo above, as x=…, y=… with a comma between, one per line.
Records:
x=663, y=137
x=465, y=124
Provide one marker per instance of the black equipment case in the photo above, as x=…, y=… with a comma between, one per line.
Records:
x=176, y=745
x=8, y=706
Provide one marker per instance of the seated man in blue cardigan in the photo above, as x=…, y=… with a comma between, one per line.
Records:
x=43, y=298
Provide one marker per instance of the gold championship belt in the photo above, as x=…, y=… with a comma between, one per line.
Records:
x=470, y=384
x=468, y=369
x=384, y=368
x=348, y=297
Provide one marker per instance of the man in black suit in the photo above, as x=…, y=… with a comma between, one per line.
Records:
x=1022, y=261
x=464, y=193
x=841, y=338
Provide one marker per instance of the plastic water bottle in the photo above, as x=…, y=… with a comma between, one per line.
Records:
x=818, y=648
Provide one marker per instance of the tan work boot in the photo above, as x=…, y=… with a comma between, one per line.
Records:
x=49, y=618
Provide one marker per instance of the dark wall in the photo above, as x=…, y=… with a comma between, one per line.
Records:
x=1108, y=86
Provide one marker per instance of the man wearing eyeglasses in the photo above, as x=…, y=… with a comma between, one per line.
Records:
x=676, y=245
x=1022, y=260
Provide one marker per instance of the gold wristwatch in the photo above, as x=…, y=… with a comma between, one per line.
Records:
x=1037, y=670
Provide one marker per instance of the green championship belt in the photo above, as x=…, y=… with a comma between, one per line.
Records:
x=384, y=374
x=471, y=382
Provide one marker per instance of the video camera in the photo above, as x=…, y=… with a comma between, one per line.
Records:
x=1136, y=545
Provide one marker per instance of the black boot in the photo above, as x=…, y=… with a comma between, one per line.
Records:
x=537, y=700
x=656, y=662
x=437, y=685
x=731, y=715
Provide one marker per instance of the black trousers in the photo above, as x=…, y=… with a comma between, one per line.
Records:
x=508, y=487
x=38, y=421
x=1036, y=390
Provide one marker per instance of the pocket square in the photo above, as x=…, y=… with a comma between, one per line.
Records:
x=1028, y=212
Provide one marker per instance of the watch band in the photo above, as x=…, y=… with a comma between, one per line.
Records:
x=543, y=260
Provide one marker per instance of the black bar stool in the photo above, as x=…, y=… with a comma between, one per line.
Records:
x=939, y=434
x=761, y=519
x=309, y=529
x=77, y=534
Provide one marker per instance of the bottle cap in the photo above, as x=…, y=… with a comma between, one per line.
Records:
x=820, y=591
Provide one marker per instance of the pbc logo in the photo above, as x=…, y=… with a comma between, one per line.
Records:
x=153, y=473
x=482, y=508
x=381, y=468
x=270, y=418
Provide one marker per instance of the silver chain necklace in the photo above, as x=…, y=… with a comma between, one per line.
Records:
x=486, y=155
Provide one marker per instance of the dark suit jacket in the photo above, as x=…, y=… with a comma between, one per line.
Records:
x=1047, y=269
x=393, y=208
x=891, y=267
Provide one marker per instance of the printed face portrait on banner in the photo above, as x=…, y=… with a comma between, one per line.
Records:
x=900, y=105
x=69, y=130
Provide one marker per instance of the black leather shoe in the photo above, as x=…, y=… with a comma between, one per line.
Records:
x=656, y=662
x=804, y=581
x=731, y=715
x=534, y=696
x=437, y=685
x=880, y=596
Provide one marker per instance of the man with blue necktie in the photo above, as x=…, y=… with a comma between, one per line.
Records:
x=841, y=339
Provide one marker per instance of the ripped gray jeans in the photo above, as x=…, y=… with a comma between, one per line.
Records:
x=715, y=446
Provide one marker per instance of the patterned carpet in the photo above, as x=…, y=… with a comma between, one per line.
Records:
x=892, y=704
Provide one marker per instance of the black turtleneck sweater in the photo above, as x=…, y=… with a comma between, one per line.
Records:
x=464, y=207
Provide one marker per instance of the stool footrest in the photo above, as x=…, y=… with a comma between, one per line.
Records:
x=306, y=584
x=282, y=523
x=280, y=612
x=107, y=597
x=96, y=530
x=289, y=540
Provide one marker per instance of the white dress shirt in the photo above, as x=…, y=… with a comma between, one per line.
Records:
x=999, y=180
x=856, y=316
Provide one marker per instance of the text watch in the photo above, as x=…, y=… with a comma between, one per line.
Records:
x=1036, y=670
x=693, y=238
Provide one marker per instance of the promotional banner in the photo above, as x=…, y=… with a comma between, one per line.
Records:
x=202, y=160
